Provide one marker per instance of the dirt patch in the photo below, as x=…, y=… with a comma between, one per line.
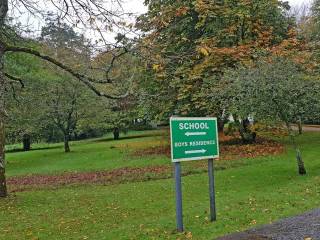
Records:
x=23, y=183
x=230, y=149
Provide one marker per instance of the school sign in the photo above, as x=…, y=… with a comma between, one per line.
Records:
x=193, y=139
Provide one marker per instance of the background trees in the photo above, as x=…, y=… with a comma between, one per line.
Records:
x=276, y=92
x=189, y=45
x=91, y=13
x=24, y=119
x=63, y=106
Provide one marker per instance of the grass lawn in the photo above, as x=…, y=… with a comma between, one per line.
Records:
x=257, y=192
x=96, y=154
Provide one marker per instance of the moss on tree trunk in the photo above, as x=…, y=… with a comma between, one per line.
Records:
x=3, y=185
x=66, y=144
x=116, y=133
x=301, y=168
x=26, y=140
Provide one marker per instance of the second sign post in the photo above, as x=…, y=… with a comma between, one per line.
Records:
x=193, y=139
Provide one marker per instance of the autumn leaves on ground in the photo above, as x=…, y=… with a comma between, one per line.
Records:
x=231, y=149
x=107, y=189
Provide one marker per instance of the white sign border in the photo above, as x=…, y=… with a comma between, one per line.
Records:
x=194, y=119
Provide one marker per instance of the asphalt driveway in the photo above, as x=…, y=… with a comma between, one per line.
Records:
x=303, y=227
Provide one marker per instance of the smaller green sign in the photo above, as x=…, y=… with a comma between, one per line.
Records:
x=193, y=139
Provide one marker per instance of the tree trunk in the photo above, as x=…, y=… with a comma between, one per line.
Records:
x=66, y=144
x=3, y=185
x=300, y=126
x=247, y=136
x=116, y=133
x=301, y=167
x=221, y=122
x=26, y=140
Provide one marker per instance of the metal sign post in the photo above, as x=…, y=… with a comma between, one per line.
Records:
x=213, y=214
x=193, y=139
x=177, y=174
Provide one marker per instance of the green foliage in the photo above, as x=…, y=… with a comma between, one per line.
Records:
x=276, y=91
x=53, y=105
x=254, y=194
x=312, y=23
x=60, y=34
x=190, y=44
x=23, y=118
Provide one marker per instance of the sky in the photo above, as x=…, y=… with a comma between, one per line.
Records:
x=297, y=2
x=134, y=6
x=137, y=5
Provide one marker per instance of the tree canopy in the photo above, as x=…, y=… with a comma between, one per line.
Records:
x=190, y=44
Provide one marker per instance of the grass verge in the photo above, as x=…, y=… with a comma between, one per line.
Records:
x=248, y=195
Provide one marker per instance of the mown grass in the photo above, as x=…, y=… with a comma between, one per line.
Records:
x=254, y=193
x=102, y=154
x=92, y=155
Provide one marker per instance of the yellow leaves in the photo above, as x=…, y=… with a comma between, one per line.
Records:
x=185, y=235
x=185, y=92
x=189, y=235
x=204, y=51
x=157, y=67
x=164, y=23
x=253, y=222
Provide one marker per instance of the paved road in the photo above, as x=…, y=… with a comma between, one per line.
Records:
x=309, y=128
x=306, y=226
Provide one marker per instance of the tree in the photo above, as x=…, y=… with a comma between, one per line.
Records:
x=312, y=22
x=189, y=44
x=275, y=92
x=122, y=116
x=23, y=118
x=92, y=13
x=309, y=32
x=62, y=107
x=122, y=112
x=69, y=106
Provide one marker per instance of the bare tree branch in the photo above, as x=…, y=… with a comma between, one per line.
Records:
x=88, y=81
x=3, y=11
x=14, y=79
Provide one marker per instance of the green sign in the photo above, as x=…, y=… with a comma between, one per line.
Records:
x=193, y=139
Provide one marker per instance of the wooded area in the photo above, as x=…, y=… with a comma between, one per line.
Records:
x=247, y=59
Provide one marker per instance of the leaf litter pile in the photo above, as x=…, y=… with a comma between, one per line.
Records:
x=231, y=150
x=23, y=183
